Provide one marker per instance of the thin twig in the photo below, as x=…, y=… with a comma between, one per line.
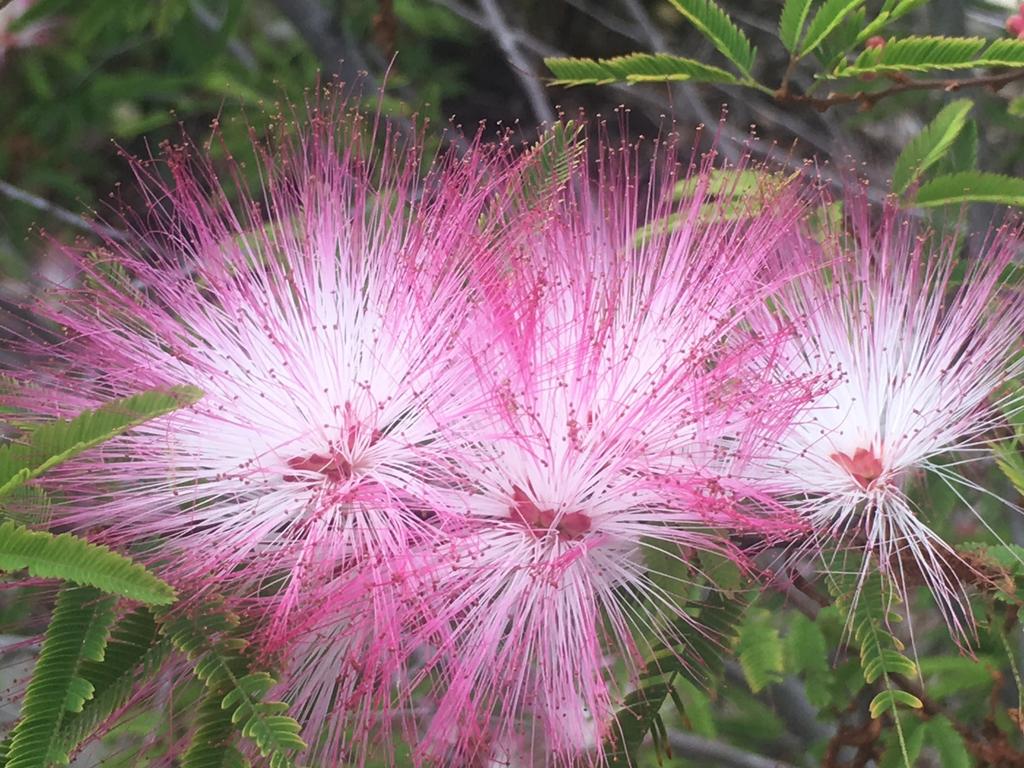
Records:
x=62, y=214
x=238, y=49
x=867, y=100
x=509, y=45
x=639, y=96
x=686, y=92
x=317, y=26
x=715, y=753
x=342, y=60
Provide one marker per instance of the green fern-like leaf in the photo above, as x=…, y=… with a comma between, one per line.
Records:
x=962, y=154
x=890, y=699
x=712, y=22
x=77, y=633
x=931, y=145
x=948, y=743
x=759, y=649
x=832, y=50
x=634, y=68
x=696, y=657
x=551, y=160
x=916, y=54
x=791, y=22
x=807, y=656
x=970, y=187
x=58, y=441
x=1004, y=53
x=219, y=662
x=70, y=558
x=134, y=653
x=881, y=652
x=211, y=745
x=635, y=719
x=825, y=22
x=890, y=12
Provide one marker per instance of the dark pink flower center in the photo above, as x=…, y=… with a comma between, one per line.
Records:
x=333, y=467
x=864, y=466
x=336, y=466
x=571, y=525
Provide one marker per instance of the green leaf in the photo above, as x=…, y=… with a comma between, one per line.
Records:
x=889, y=699
x=696, y=656
x=694, y=706
x=720, y=570
x=903, y=744
x=135, y=653
x=807, y=657
x=949, y=675
x=77, y=633
x=58, y=441
x=1011, y=463
x=791, y=22
x=890, y=12
x=217, y=653
x=759, y=649
x=67, y=557
x=931, y=145
x=211, y=745
x=729, y=182
x=1008, y=52
x=634, y=720
x=634, y=68
x=663, y=561
x=970, y=187
x=716, y=26
x=916, y=54
x=881, y=653
x=827, y=19
x=948, y=743
x=963, y=155
x=730, y=195
x=833, y=49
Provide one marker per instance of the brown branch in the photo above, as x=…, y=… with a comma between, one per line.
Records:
x=868, y=100
x=62, y=215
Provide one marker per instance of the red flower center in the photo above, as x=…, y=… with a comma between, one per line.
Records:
x=333, y=467
x=336, y=466
x=538, y=521
x=865, y=467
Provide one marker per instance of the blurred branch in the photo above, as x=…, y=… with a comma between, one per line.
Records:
x=318, y=27
x=638, y=96
x=238, y=49
x=63, y=215
x=607, y=20
x=694, y=747
x=686, y=92
x=509, y=45
x=342, y=60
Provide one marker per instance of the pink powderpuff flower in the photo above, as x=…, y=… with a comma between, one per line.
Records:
x=15, y=35
x=617, y=398
x=917, y=353
x=321, y=323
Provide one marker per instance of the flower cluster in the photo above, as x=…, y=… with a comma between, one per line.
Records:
x=451, y=407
